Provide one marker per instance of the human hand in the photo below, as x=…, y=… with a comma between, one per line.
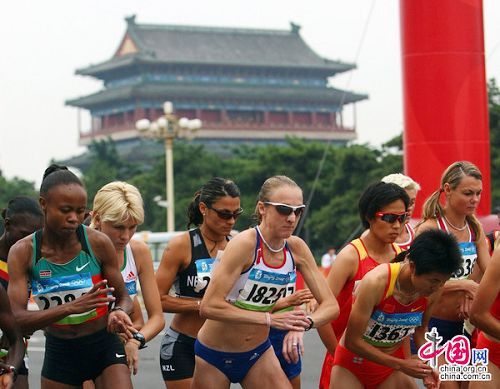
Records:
x=415, y=368
x=98, y=296
x=290, y=320
x=299, y=297
x=311, y=306
x=464, y=307
x=132, y=351
x=293, y=346
x=6, y=380
x=432, y=380
x=120, y=323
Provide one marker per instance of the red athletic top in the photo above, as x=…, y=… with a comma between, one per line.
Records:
x=365, y=264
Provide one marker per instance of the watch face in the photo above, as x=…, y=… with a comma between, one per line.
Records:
x=140, y=337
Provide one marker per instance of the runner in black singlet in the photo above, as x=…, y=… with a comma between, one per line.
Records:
x=186, y=267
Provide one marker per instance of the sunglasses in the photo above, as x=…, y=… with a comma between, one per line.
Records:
x=286, y=210
x=226, y=215
x=392, y=217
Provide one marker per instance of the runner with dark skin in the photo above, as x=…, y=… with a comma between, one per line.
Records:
x=72, y=321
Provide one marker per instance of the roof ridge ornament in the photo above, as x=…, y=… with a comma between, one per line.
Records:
x=295, y=27
x=130, y=20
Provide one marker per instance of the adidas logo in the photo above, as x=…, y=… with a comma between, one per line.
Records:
x=131, y=276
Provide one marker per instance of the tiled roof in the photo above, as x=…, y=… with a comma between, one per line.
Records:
x=171, y=44
x=217, y=92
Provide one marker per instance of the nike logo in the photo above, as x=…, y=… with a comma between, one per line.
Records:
x=415, y=309
x=79, y=268
x=119, y=355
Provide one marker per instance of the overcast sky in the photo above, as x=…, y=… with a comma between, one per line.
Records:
x=44, y=42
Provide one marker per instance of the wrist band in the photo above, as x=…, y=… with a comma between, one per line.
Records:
x=268, y=319
x=117, y=309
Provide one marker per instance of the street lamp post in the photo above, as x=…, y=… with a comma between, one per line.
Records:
x=168, y=127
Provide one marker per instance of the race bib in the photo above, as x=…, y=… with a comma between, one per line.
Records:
x=204, y=269
x=469, y=255
x=54, y=291
x=264, y=288
x=387, y=329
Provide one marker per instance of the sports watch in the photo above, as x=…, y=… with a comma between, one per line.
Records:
x=141, y=339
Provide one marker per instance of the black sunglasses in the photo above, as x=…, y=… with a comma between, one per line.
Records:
x=285, y=209
x=225, y=214
x=392, y=217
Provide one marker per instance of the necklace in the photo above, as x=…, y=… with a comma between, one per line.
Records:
x=215, y=242
x=455, y=227
x=267, y=244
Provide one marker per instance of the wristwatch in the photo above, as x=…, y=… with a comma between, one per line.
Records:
x=141, y=339
x=311, y=323
x=9, y=369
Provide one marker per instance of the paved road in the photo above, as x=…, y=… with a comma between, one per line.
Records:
x=149, y=376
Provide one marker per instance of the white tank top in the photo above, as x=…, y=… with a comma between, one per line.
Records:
x=260, y=287
x=129, y=272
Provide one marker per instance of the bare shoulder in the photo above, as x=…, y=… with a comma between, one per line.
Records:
x=179, y=243
x=429, y=224
x=244, y=241
x=377, y=277
x=97, y=239
x=347, y=256
x=139, y=247
x=21, y=251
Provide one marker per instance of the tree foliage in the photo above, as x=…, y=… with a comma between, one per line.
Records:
x=335, y=175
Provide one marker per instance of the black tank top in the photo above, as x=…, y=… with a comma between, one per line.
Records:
x=193, y=281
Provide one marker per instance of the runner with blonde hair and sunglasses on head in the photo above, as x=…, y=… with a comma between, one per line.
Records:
x=383, y=211
x=255, y=271
x=186, y=266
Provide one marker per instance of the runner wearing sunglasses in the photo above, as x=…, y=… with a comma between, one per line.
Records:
x=461, y=186
x=393, y=301
x=407, y=233
x=383, y=209
x=186, y=265
x=255, y=271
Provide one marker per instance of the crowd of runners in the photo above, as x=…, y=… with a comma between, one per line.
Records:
x=238, y=315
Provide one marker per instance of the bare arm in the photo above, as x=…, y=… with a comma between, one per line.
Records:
x=150, y=293
x=11, y=330
x=175, y=257
x=370, y=292
x=238, y=256
x=118, y=319
x=343, y=269
x=486, y=295
x=328, y=308
x=419, y=335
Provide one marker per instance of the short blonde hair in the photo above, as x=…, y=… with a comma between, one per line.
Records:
x=116, y=202
x=402, y=181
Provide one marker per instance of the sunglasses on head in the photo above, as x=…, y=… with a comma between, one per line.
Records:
x=389, y=217
x=285, y=209
x=225, y=214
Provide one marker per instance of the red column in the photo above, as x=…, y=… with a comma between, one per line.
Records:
x=444, y=89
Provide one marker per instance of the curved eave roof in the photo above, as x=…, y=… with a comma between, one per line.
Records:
x=105, y=69
x=217, y=46
x=217, y=92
